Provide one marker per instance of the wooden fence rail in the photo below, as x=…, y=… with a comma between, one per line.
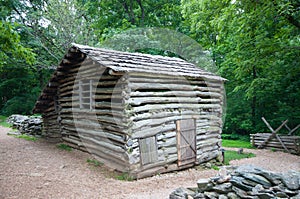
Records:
x=291, y=143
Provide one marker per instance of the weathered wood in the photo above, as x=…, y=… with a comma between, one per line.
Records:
x=206, y=156
x=162, y=114
x=283, y=145
x=160, y=86
x=148, y=107
x=186, y=144
x=175, y=93
x=151, y=131
x=148, y=150
x=273, y=132
x=164, y=100
x=127, y=119
x=291, y=143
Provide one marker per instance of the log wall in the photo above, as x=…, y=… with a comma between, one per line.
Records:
x=107, y=113
x=156, y=102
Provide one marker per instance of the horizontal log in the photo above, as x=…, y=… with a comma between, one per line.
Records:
x=265, y=135
x=176, y=93
x=291, y=142
x=73, y=141
x=167, y=135
x=100, y=134
x=107, y=146
x=207, y=156
x=208, y=136
x=160, y=169
x=163, y=100
x=110, y=161
x=151, y=131
x=160, y=86
x=167, y=142
x=162, y=114
x=152, y=107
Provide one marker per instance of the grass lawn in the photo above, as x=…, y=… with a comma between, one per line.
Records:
x=233, y=155
x=3, y=121
x=236, y=144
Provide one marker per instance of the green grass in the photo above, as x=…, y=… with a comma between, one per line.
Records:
x=234, y=155
x=26, y=137
x=3, y=121
x=94, y=162
x=214, y=167
x=236, y=144
x=124, y=177
x=64, y=147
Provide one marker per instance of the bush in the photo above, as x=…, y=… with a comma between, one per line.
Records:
x=235, y=137
x=19, y=105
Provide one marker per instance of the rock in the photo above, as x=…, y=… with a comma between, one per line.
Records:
x=245, y=182
x=281, y=195
x=238, y=182
x=249, y=182
x=211, y=195
x=274, y=178
x=208, y=165
x=232, y=195
x=26, y=125
x=248, y=169
x=257, y=189
x=223, y=197
x=258, y=179
x=265, y=195
x=241, y=193
x=223, y=188
x=290, y=192
x=291, y=180
x=181, y=193
x=203, y=184
x=296, y=197
x=199, y=196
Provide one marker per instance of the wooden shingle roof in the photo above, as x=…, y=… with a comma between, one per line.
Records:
x=119, y=62
x=145, y=63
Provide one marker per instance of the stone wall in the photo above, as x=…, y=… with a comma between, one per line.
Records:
x=31, y=125
x=244, y=182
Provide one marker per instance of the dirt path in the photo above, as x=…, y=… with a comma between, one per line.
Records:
x=41, y=170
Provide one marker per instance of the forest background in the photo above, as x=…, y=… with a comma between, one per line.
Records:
x=254, y=44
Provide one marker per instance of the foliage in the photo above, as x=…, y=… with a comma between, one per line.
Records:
x=256, y=46
x=3, y=121
x=236, y=144
x=26, y=137
x=64, y=147
x=233, y=155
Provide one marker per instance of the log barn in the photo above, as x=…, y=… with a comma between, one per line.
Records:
x=137, y=113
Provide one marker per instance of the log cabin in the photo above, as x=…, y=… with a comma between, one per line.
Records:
x=136, y=113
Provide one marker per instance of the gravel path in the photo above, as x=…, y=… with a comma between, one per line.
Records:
x=41, y=170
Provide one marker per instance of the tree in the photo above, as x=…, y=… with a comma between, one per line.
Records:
x=13, y=56
x=256, y=46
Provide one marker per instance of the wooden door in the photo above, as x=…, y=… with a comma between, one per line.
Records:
x=186, y=141
x=148, y=150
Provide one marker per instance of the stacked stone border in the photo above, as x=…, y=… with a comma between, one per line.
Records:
x=244, y=182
